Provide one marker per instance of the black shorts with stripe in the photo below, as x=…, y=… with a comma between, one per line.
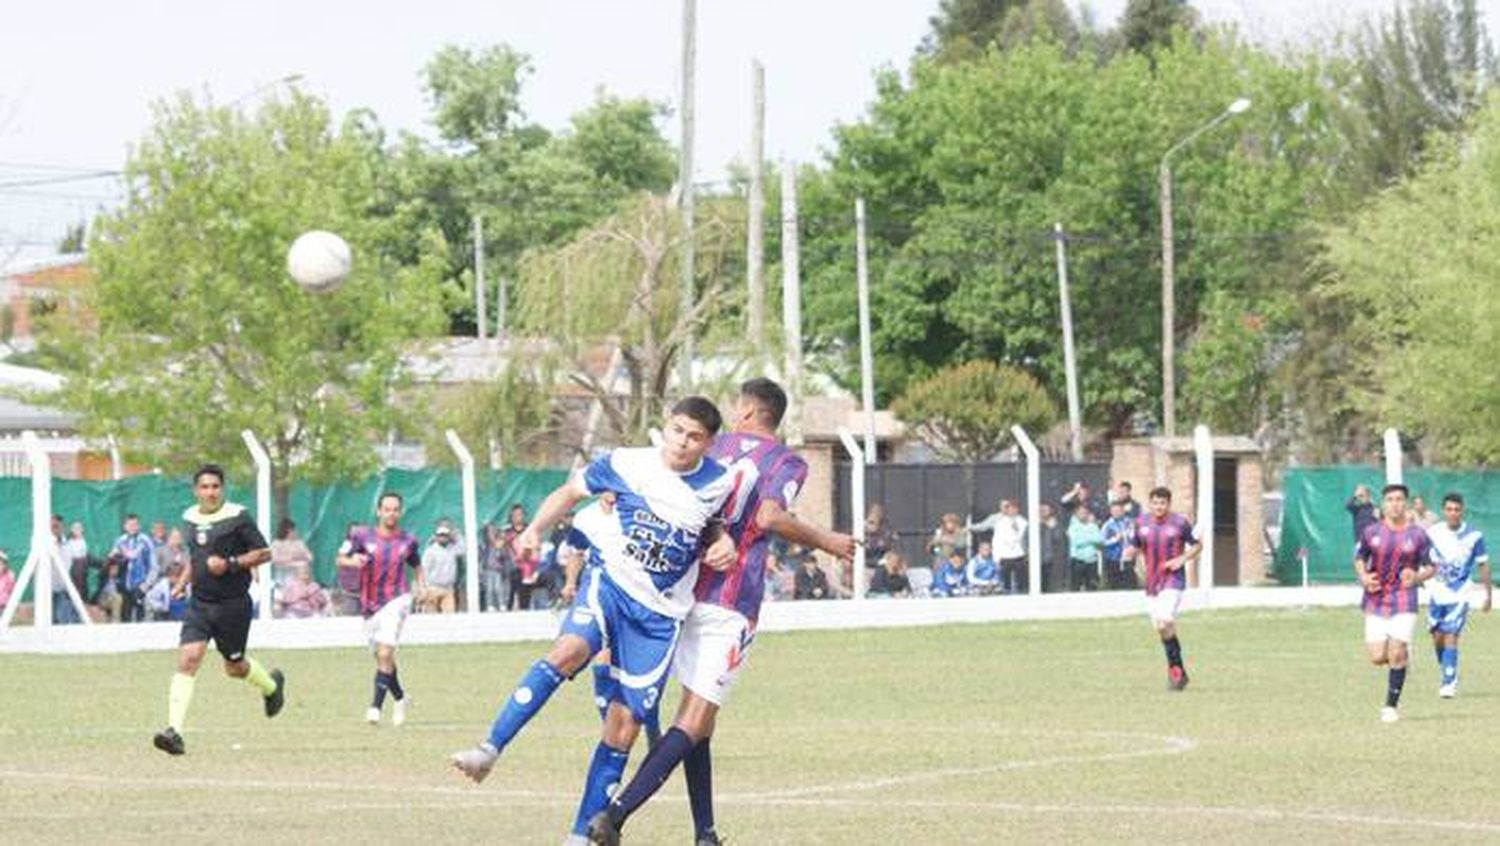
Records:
x=226, y=623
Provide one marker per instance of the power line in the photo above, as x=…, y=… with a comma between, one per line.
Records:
x=58, y=180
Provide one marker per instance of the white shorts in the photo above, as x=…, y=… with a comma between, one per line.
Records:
x=1395, y=627
x=714, y=645
x=1163, y=607
x=383, y=628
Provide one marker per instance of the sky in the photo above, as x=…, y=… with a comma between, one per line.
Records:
x=77, y=79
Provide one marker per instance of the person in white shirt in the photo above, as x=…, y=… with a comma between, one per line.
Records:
x=1009, y=543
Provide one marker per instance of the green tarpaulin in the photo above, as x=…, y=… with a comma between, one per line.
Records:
x=1314, y=518
x=321, y=513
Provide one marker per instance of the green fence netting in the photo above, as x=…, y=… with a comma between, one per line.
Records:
x=1314, y=518
x=322, y=513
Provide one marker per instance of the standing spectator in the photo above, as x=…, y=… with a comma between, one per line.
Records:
x=492, y=572
x=1420, y=515
x=1009, y=544
x=159, y=599
x=7, y=580
x=549, y=575
x=158, y=543
x=176, y=556
x=947, y=577
x=950, y=535
x=348, y=577
x=890, y=577
x=109, y=598
x=1124, y=495
x=1085, y=539
x=289, y=554
x=1054, y=542
x=1361, y=510
x=137, y=576
x=76, y=557
x=521, y=564
x=302, y=597
x=440, y=564
x=62, y=605
x=1117, y=532
x=981, y=574
x=1078, y=495
x=779, y=580
x=879, y=536
x=810, y=582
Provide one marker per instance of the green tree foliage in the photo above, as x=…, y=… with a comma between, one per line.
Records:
x=197, y=332
x=963, y=30
x=476, y=98
x=964, y=412
x=1415, y=275
x=512, y=415
x=1420, y=69
x=966, y=167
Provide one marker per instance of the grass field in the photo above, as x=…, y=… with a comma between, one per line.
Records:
x=1044, y=732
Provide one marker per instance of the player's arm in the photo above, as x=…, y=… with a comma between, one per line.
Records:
x=257, y=552
x=772, y=517
x=1362, y=573
x=572, y=567
x=418, y=572
x=557, y=504
x=1489, y=586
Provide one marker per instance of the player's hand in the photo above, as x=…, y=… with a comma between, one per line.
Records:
x=607, y=502
x=1371, y=581
x=217, y=566
x=1408, y=578
x=720, y=554
x=843, y=546
x=567, y=594
x=1172, y=564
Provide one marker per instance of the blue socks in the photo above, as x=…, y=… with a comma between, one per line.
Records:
x=1448, y=661
x=698, y=768
x=673, y=747
x=535, y=688
x=605, y=772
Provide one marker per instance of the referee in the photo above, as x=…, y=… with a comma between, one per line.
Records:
x=225, y=546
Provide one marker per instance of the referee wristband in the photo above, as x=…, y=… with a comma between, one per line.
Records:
x=234, y=564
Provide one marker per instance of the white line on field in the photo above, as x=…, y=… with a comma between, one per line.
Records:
x=1170, y=745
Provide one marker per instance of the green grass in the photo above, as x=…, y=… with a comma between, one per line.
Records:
x=1044, y=732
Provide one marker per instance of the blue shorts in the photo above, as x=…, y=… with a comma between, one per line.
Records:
x=640, y=641
x=1447, y=619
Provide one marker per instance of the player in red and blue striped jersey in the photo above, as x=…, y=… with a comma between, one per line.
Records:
x=1163, y=544
x=383, y=554
x=718, y=632
x=1390, y=560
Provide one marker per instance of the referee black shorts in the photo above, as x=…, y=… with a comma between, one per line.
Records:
x=226, y=623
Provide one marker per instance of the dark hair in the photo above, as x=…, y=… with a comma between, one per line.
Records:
x=768, y=396
x=1126, y=485
x=700, y=410
x=1395, y=486
x=514, y=506
x=1454, y=497
x=385, y=495
x=1161, y=492
x=284, y=528
x=132, y=516
x=209, y=470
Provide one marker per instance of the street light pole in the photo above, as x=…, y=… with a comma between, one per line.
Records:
x=1168, y=261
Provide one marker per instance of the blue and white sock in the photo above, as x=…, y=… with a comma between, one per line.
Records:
x=605, y=688
x=1448, y=660
x=530, y=695
x=605, y=772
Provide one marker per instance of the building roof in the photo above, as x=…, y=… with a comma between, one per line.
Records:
x=17, y=416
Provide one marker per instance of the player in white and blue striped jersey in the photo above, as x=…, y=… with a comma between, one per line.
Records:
x=1458, y=552
x=664, y=501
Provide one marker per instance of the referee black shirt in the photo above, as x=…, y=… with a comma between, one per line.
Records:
x=227, y=531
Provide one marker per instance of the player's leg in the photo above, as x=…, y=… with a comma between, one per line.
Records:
x=1164, y=608
x=570, y=653
x=642, y=645
x=231, y=633
x=715, y=643
x=1398, y=629
x=385, y=637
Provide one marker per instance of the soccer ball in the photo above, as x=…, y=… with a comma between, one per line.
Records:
x=319, y=261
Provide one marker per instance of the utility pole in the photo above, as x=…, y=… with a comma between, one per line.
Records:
x=500, y=306
x=685, y=186
x=479, y=316
x=791, y=301
x=755, y=237
x=866, y=349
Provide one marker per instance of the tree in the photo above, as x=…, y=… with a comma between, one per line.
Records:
x=476, y=98
x=73, y=239
x=1148, y=25
x=966, y=167
x=512, y=414
x=196, y=330
x=616, y=284
x=1421, y=69
x=1416, y=272
x=965, y=412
